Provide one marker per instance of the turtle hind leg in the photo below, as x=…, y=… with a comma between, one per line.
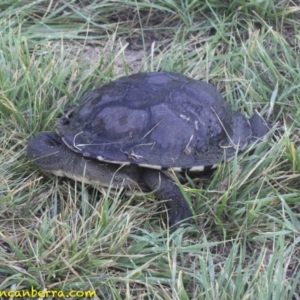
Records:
x=259, y=126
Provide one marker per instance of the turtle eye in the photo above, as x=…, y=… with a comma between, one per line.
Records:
x=117, y=178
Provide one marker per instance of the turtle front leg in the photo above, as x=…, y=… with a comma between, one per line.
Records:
x=167, y=189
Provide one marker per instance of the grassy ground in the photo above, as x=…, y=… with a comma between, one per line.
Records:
x=60, y=235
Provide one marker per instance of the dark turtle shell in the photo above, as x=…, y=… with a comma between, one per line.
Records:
x=156, y=120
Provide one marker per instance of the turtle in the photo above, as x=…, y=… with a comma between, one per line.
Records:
x=140, y=130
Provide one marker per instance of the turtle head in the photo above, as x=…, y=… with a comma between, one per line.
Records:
x=48, y=152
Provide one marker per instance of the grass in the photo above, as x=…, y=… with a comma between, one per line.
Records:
x=61, y=235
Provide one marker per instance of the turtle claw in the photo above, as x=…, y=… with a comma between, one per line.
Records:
x=179, y=218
